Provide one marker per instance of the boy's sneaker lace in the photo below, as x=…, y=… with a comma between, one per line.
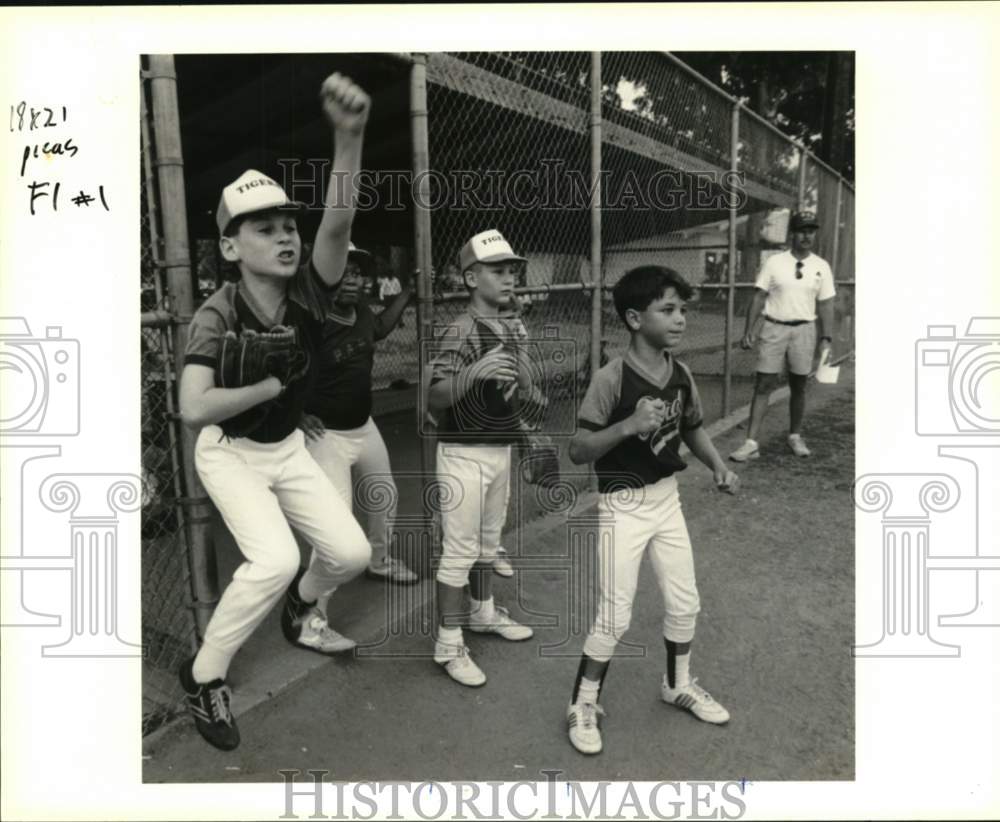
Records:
x=305, y=626
x=209, y=705
x=584, y=726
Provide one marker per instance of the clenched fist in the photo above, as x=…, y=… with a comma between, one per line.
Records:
x=345, y=104
x=649, y=415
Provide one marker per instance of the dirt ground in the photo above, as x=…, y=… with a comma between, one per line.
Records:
x=775, y=570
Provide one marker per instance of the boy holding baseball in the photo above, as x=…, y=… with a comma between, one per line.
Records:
x=264, y=482
x=635, y=414
x=474, y=377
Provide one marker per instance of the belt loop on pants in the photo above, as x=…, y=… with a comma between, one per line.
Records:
x=786, y=322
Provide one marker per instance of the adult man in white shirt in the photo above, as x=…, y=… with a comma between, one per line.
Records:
x=792, y=289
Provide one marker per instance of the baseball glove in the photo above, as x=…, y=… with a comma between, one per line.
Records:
x=539, y=459
x=249, y=358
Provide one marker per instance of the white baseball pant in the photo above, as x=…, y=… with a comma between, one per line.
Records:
x=260, y=490
x=476, y=481
x=630, y=521
x=362, y=452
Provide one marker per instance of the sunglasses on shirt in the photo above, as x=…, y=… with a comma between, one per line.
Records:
x=798, y=270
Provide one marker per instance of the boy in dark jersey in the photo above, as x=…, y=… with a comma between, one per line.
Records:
x=265, y=482
x=342, y=437
x=635, y=414
x=474, y=378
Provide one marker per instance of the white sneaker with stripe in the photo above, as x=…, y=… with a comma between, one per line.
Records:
x=695, y=699
x=584, y=726
x=501, y=624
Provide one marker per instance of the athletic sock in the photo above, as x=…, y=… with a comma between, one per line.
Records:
x=309, y=588
x=482, y=610
x=449, y=636
x=210, y=664
x=578, y=684
x=589, y=691
x=678, y=663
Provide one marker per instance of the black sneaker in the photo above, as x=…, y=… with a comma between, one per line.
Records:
x=208, y=704
x=294, y=610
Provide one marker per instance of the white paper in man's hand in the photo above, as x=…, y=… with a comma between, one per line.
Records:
x=825, y=372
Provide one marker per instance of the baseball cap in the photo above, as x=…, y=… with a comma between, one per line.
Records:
x=251, y=191
x=803, y=219
x=486, y=247
x=362, y=257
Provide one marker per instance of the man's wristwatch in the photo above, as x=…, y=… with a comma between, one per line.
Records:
x=827, y=338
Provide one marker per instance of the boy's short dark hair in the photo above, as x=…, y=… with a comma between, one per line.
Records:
x=641, y=286
x=233, y=226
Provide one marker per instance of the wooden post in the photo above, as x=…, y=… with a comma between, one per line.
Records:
x=423, y=252
x=169, y=166
x=727, y=355
x=596, y=272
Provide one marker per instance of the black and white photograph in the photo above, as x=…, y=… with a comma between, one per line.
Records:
x=464, y=329
x=559, y=411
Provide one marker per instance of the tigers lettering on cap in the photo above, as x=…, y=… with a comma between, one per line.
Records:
x=251, y=191
x=486, y=247
x=803, y=219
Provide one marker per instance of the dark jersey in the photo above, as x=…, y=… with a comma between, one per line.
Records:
x=612, y=397
x=487, y=414
x=342, y=398
x=232, y=308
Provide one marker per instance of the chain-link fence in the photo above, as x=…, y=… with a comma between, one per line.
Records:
x=168, y=630
x=689, y=178
x=508, y=142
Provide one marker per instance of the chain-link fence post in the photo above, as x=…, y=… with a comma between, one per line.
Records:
x=836, y=229
x=596, y=266
x=727, y=342
x=169, y=164
x=422, y=248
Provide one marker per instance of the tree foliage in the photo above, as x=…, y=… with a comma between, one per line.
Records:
x=807, y=94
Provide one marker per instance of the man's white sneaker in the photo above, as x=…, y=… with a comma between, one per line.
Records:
x=391, y=569
x=796, y=443
x=501, y=624
x=748, y=451
x=584, y=726
x=695, y=699
x=501, y=564
x=317, y=635
x=458, y=664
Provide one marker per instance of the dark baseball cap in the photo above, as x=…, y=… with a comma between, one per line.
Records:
x=803, y=219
